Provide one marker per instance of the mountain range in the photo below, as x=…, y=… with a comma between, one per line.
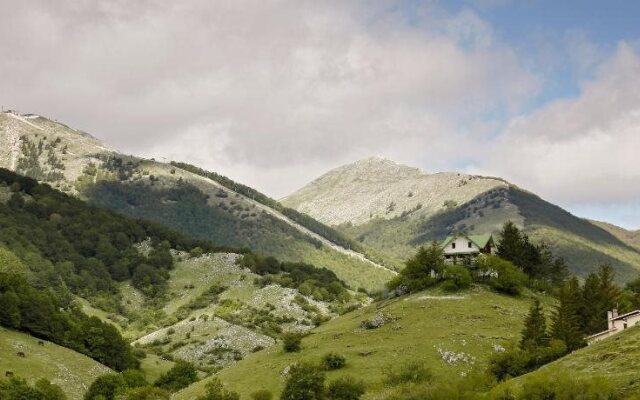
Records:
x=179, y=262
x=361, y=220
x=395, y=208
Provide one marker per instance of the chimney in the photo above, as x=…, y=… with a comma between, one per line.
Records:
x=610, y=320
x=615, y=313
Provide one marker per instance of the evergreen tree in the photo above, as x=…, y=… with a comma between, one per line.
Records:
x=600, y=294
x=566, y=321
x=510, y=246
x=534, y=334
x=592, y=316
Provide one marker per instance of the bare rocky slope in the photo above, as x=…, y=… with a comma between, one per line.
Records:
x=395, y=208
x=77, y=163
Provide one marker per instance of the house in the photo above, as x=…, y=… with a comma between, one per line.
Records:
x=616, y=324
x=465, y=248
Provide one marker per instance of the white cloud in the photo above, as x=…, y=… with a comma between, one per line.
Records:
x=269, y=92
x=583, y=150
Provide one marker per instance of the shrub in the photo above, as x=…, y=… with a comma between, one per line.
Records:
x=345, y=388
x=456, y=277
x=181, y=375
x=332, y=361
x=148, y=393
x=502, y=275
x=562, y=386
x=262, y=394
x=105, y=387
x=305, y=382
x=17, y=388
x=216, y=391
x=411, y=372
x=517, y=361
x=292, y=342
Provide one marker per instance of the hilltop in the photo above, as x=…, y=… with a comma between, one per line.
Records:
x=196, y=202
x=377, y=188
x=395, y=208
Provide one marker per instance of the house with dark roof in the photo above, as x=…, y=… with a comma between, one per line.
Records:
x=616, y=324
x=464, y=249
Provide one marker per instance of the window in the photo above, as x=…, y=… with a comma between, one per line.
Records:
x=470, y=245
x=453, y=245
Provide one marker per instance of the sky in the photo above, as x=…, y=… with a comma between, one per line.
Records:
x=273, y=93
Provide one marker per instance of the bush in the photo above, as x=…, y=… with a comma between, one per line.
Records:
x=332, y=361
x=456, y=277
x=17, y=388
x=181, y=375
x=305, y=382
x=216, y=391
x=148, y=393
x=105, y=387
x=262, y=394
x=517, y=362
x=345, y=388
x=411, y=372
x=502, y=275
x=292, y=342
x=561, y=386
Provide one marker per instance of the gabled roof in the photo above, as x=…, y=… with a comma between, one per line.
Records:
x=479, y=240
x=627, y=315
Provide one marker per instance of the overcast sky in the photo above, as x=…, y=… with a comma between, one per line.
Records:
x=274, y=93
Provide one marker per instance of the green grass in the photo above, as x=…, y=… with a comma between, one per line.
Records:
x=615, y=359
x=472, y=322
x=72, y=371
x=154, y=366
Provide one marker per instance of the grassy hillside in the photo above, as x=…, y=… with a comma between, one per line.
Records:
x=196, y=202
x=632, y=238
x=72, y=371
x=584, y=245
x=615, y=360
x=430, y=327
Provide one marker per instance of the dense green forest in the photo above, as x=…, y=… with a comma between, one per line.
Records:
x=86, y=247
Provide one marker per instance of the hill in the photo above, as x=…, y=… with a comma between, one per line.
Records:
x=196, y=202
x=449, y=334
x=395, y=208
x=72, y=371
x=171, y=295
x=615, y=360
x=632, y=238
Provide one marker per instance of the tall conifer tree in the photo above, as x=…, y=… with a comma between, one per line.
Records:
x=534, y=334
x=566, y=321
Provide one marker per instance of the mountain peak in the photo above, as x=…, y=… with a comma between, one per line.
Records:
x=373, y=168
x=377, y=187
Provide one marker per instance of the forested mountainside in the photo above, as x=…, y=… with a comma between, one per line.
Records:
x=394, y=209
x=186, y=198
x=93, y=280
